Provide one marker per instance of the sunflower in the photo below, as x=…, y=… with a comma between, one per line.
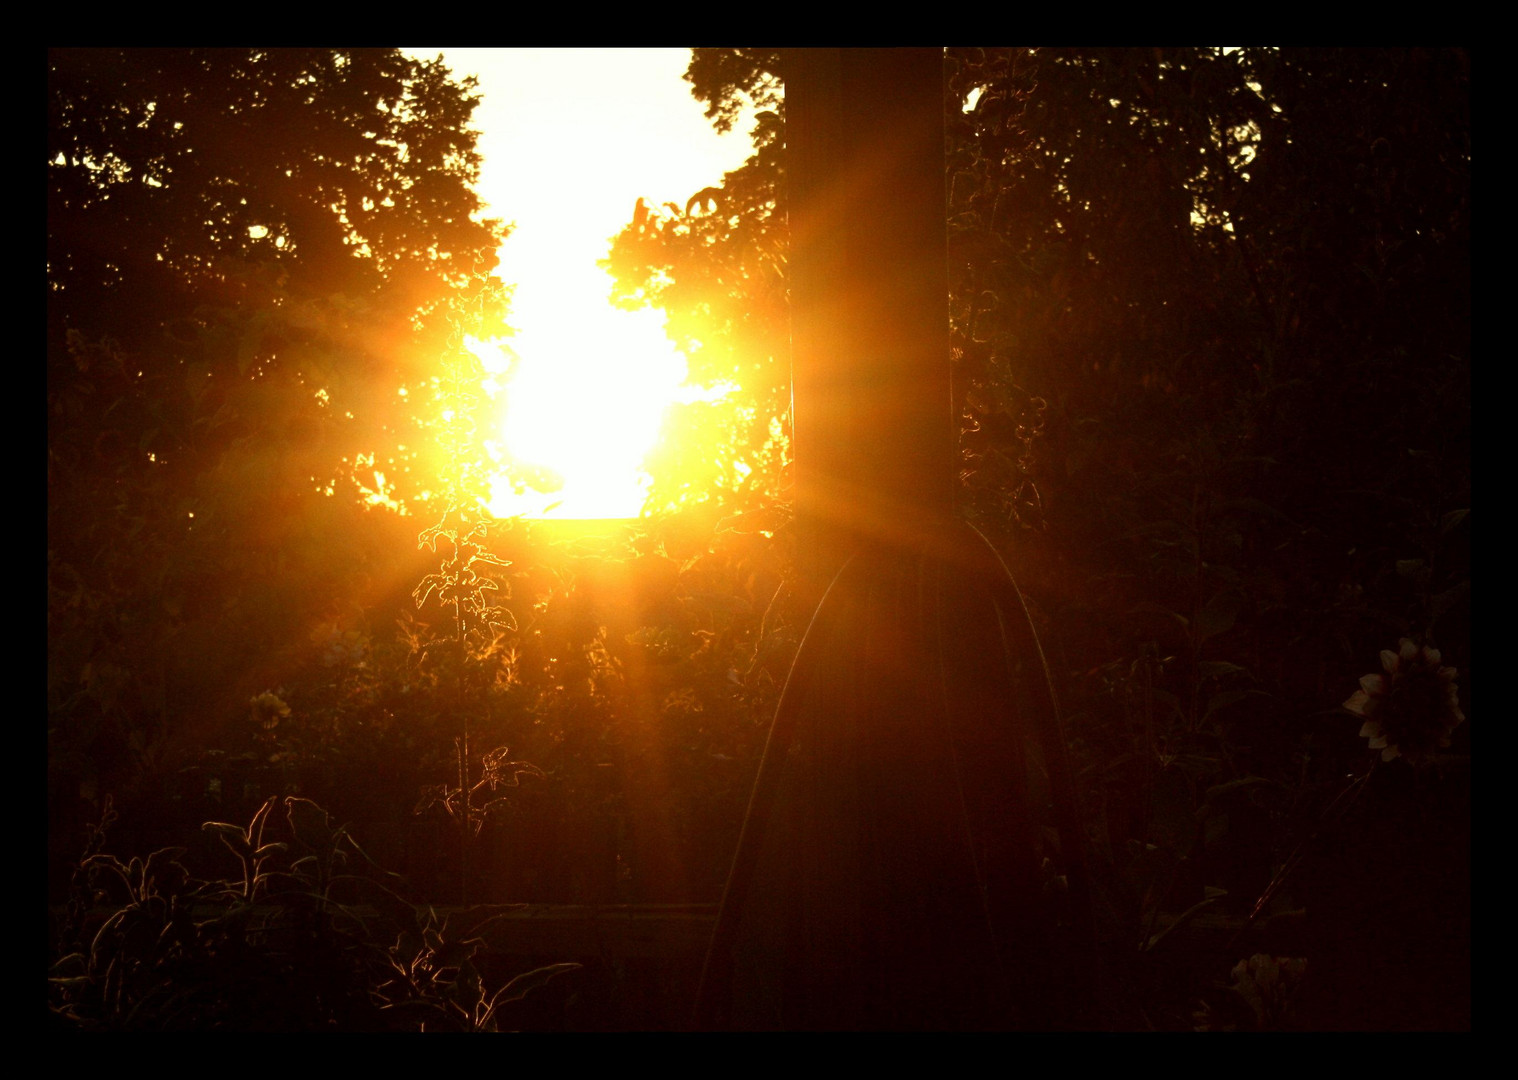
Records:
x=268, y=709
x=1411, y=707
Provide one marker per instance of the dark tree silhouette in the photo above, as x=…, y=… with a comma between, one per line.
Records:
x=1211, y=321
x=251, y=255
x=343, y=171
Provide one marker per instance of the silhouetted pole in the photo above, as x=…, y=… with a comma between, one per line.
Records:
x=887, y=877
x=874, y=436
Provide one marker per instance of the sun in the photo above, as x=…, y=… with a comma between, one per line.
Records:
x=582, y=389
x=569, y=141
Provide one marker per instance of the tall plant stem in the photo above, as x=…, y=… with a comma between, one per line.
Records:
x=463, y=749
x=1336, y=810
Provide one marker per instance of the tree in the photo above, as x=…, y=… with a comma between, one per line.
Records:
x=308, y=214
x=1120, y=219
x=717, y=267
x=1210, y=313
x=1161, y=261
x=349, y=170
x=256, y=261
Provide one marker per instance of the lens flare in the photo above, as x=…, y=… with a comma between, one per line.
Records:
x=582, y=402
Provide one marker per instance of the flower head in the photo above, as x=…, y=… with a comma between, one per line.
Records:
x=268, y=709
x=1411, y=706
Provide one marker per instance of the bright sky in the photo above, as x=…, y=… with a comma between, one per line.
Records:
x=570, y=139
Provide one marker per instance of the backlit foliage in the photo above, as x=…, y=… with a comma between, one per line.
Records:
x=1211, y=330
x=255, y=259
x=716, y=266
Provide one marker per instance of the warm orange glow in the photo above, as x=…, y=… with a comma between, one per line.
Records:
x=570, y=140
x=582, y=390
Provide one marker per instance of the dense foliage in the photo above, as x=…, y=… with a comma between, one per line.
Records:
x=233, y=590
x=256, y=261
x=309, y=936
x=1211, y=337
x=717, y=268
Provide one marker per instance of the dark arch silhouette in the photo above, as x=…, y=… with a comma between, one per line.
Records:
x=891, y=874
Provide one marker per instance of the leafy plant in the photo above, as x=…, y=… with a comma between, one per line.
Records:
x=309, y=935
x=464, y=589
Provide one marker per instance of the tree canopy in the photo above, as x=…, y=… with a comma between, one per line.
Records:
x=259, y=263
x=1210, y=327
x=340, y=171
x=1210, y=339
x=717, y=267
x=1130, y=228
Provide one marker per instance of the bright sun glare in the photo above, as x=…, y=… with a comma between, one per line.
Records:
x=583, y=387
x=583, y=402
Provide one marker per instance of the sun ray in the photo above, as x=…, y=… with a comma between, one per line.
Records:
x=570, y=140
x=582, y=389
